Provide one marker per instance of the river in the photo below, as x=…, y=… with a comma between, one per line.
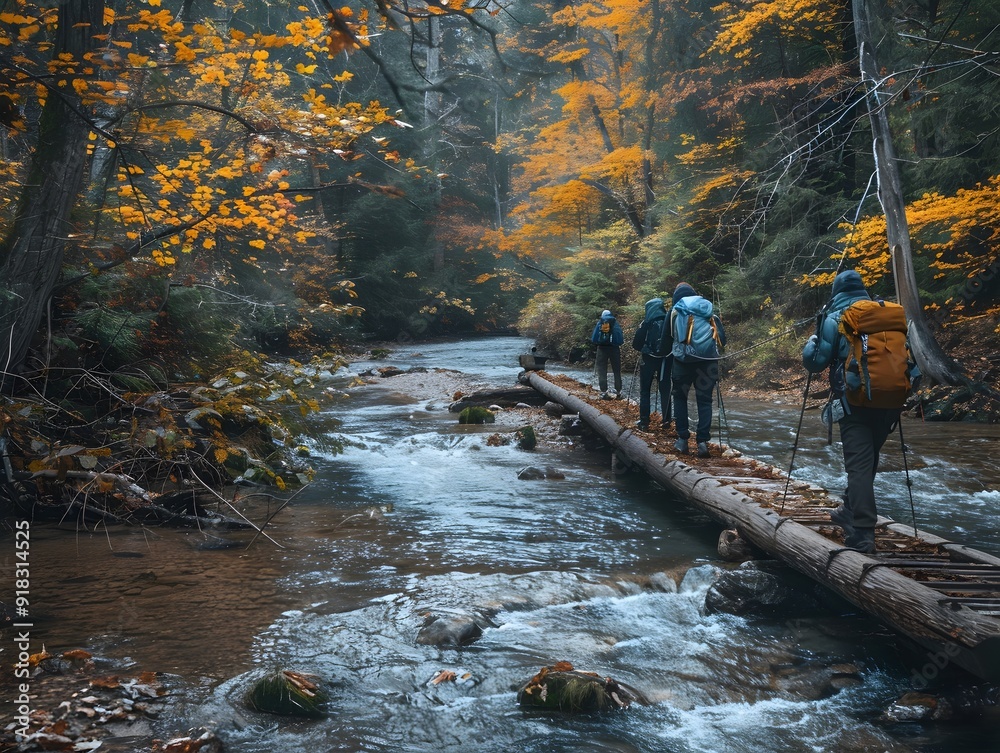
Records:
x=417, y=514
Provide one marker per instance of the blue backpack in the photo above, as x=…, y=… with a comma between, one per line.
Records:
x=696, y=337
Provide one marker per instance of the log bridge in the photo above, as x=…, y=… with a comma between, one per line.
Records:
x=943, y=595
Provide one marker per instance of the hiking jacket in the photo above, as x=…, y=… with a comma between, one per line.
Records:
x=617, y=336
x=829, y=347
x=654, y=311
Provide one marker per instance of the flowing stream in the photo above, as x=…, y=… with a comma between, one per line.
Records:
x=419, y=515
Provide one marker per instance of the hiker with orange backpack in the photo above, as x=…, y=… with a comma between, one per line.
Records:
x=863, y=342
x=608, y=337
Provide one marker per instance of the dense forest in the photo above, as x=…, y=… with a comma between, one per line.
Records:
x=191, y=187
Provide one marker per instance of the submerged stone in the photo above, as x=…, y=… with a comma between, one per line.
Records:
x=454, y=628
x=751, y=590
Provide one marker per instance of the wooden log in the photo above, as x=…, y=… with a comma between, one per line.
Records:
x=967, y=638
x=506, y=397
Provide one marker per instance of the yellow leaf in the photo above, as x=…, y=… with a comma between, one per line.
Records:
x=220, y=455
x=258, y=244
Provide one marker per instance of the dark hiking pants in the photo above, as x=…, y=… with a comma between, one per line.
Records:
x=609, y=354
x=703, y=375
x=651, y=368
x=862, y=433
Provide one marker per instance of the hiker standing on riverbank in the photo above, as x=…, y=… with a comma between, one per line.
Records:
x=697, y=335
x=863, y=341
x=652, y=340
x=608, y=337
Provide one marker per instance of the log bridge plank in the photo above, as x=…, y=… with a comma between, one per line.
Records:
x=738, y=498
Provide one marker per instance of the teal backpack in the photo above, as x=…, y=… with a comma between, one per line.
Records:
x=696, y=337
x=655, y=340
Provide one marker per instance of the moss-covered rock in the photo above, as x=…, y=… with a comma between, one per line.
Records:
x=526, y=439
x=475, y=414
x=288, y=693
x=562, y=688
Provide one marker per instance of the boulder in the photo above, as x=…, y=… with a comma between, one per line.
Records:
x=555, y=409
x=755, y=589
x=452, y=628
x=571, y=426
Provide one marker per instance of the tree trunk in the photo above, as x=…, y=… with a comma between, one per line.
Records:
x=934, y=364
x=433, y=112
x=31, y=255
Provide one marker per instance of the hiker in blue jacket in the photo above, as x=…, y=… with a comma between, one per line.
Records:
x=608, y=338
x=693, y=366
x=652, y=340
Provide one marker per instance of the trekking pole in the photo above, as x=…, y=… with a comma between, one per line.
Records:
x=723, y=418
x=635, y=376
x=909, y=483
x=795, y=444
x=805, y=397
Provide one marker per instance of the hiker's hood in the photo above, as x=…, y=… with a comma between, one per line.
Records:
x=606, y=314
x=654, y=309
x=683, y=290
x=849, y=282
x=847, y=288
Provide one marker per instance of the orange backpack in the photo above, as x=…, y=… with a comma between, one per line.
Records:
x=876, y=371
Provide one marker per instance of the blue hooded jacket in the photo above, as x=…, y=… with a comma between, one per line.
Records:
x=617, y=336
x=829, y=346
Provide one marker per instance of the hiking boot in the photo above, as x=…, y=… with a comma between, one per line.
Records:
x=681, y=445
x=703, y=450
x=861, y=540
x=604, y=396
x=842, y=517
x=642, y=425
